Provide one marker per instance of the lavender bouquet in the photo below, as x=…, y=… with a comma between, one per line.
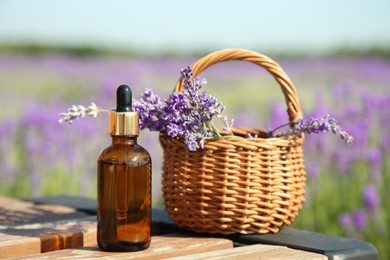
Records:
x=190, y=113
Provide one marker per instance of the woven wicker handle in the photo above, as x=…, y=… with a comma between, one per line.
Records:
x=289, y=91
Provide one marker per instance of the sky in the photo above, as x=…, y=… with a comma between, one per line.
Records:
x=308, y=25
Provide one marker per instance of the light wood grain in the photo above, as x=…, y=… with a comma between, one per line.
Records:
x=28, y=228
x=44, y=237
x=33, y=231
x=160, y=247
x=253, y=252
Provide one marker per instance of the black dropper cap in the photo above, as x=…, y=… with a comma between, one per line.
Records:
x=123, y=121
x=123, y=99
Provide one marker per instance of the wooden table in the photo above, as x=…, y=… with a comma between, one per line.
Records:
x=30, y=230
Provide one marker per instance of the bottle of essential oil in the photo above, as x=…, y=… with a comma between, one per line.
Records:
x=124, y=183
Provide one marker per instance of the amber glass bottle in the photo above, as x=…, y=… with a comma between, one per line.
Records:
x=124, y=183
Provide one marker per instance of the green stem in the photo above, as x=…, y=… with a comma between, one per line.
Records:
x=277, y=128
x=213, y=129
x=225, y=137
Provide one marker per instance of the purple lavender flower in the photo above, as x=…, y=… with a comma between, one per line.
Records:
x=278, y=115
x=346, y=221
x=174, y=130
x=152, y=111
x=188, y=113
x=313, y=171
x=76, y=112
x=374, y=157
x=315, y=125
x=359, y=219
x=191, y=141
x=321, y=125
x=371, y=197
x=187, y=73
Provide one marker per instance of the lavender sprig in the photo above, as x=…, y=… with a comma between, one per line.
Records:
x=76, y=112
x=151, y=109
x=188, y=113
x=316, y=125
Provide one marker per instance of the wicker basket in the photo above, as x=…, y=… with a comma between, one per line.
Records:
x=236, y=185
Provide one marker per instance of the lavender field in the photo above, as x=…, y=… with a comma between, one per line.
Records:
x=347, y=185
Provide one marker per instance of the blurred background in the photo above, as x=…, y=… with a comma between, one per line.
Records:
x=55, y=54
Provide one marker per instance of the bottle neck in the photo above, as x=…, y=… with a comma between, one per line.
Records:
x=126, y=140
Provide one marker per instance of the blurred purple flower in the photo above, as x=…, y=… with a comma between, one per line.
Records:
x=320, y=107
x=371, y=197
x=278, y=115
x=346, y=221
x=375, y=159
x=313, y=170
x=359, y=219
x=45, y=142
x=344, y=160
x=35, y=181
x=360, y=129
x=342, y=91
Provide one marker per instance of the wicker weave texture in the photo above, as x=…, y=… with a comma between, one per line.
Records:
x=236, y=185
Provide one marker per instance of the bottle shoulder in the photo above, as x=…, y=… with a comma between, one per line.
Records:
x=125, y=153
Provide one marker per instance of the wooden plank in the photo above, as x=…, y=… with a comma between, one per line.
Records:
x=18, y=240
x=329, y=245
x=253, y=252
x=29, y=228
x=160, y=247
